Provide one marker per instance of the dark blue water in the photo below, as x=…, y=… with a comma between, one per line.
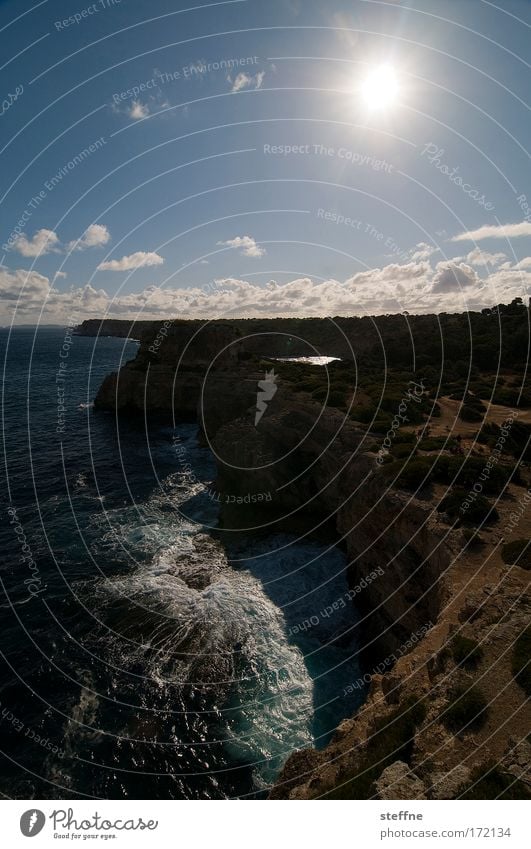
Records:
x=140, y=658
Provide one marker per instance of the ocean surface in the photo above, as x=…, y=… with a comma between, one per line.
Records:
x=140, y=656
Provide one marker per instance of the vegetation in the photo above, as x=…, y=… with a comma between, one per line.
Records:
x=467, y=710
x=391, y=740
x=490, y=782
x=465, y=651
x=521, y=661
x=517, y=553
x=479, y=512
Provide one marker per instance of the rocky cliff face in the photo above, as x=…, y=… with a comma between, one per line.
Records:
x=433, y=587
x=167, y=375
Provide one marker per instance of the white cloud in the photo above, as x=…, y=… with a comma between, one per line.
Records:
x=524, y=264
x=451, y=286
x=494, y=231
x=479, y=257
x=140, y=259
x=43, y=242
x=452, y=276
x=30, y=286
x=138, y=110
x=243, y=80
x=246, y=245
x=423, y=251
x=94, y=236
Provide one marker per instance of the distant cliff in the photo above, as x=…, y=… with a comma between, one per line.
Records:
x=112, y=327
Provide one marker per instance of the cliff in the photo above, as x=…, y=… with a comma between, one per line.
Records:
x=439, y=625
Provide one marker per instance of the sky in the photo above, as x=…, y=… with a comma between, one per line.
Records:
x=243, y=158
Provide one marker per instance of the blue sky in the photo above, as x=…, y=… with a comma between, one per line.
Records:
x=160, y=159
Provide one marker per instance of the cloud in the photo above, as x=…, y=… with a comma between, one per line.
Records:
x=140, y=259
x=479, y=257
x=494, y=231
x=28, y=285
x=43, y=242
x=243, y=80
x=452, y=286
x=423, y=251
x=452, y=276
x=524, y=264
x=246, y=245
x=94, y=237
x=138, y=110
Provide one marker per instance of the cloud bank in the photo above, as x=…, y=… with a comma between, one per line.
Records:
x=449, y=286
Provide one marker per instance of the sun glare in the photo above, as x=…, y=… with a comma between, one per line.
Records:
x=380, y=88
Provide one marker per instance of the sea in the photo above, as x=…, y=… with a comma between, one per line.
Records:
x=143, y=656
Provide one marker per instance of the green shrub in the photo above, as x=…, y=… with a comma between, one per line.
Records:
x=520, y=661
x=336, y=399
x=479, y=512
x=391, y=740
x=412, y=475
x=470, y=414
x=465, y=651
x=517, y=553
x=467, y=710
x=401, y=450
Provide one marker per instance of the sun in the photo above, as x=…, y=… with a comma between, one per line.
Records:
x=380, y=89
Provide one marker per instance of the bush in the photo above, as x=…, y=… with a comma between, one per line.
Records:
x=471, y=537
x=391, y=740
x=520, y=661
x=465, y=651
x=436, y=443
x=479, y=512
x=470, y=414
x=413, y=474
x=467, y=710
x=489, y=782
x=336, y=398
x=517, y=553
x=402, y=450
